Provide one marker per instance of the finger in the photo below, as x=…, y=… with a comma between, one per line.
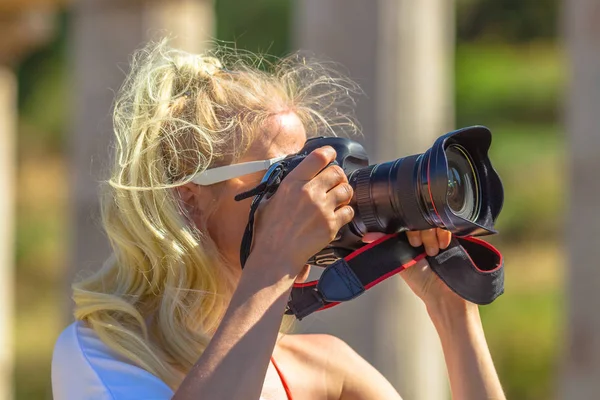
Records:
x=430, y=241
x=303, y=275
x=344, y=215
x=313, y=163
x=340, y=195
x=414, y=238
x=372, y=236
x=330, y=178
x=444, y=237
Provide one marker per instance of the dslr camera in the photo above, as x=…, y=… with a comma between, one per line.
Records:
x=451, y=186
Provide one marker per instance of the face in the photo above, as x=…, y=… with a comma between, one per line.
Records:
x=284, y=135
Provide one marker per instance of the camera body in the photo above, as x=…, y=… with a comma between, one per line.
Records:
x=452, y=186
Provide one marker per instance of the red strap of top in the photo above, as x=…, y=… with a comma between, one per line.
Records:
x=285, y=385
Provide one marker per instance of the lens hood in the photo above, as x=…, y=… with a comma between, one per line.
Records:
x=433, y=182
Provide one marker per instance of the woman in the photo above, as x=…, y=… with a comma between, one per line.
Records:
x=172, y=314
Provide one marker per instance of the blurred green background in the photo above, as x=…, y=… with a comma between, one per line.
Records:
x=509, y=76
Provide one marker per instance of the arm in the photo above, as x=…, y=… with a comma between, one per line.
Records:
x=234, y=364
x=305, y=214
x=470, y=366
x=468, y=360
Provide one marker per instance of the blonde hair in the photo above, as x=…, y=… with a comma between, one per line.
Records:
x=160, y=296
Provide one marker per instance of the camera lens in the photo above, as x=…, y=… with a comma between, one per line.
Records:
x=452, y=185
x=463, y=185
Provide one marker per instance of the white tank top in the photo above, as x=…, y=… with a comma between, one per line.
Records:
x=84, y=368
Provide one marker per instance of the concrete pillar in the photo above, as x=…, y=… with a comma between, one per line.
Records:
x=581, y=367
x=104, y=35
x=8, y=118
x=401, y=53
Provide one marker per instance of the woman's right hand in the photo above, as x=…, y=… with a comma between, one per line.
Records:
x=306, y=213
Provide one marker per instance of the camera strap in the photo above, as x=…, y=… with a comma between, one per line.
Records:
x=267, y=186
x=471, y=267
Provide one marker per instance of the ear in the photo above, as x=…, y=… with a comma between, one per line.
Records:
x=185, y=194
x=195, y=199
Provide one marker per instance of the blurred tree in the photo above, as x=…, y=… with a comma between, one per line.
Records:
x=260, y=25
x=506, y=20
x=43, y=97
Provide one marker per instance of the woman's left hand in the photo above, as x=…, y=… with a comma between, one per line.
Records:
x=420, y=278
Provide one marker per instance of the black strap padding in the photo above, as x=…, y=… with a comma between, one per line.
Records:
x=471, y=267
x=339, y=283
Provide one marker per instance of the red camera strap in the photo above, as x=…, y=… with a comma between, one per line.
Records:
x=469, y=266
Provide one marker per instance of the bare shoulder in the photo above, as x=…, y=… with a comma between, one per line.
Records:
x=317, y=359
x=320, y=340
x=343, y=373
x=318, y=350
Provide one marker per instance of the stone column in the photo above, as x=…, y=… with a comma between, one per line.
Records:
x=8, y=119
x=104, y=36
x=581, y=368
x=401, y=53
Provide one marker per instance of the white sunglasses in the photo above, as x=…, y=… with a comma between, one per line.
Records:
x=221, y=174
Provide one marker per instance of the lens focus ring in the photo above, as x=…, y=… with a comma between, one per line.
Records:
x=364, y=203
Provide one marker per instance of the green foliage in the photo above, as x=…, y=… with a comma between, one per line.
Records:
x=261, y=26
x=507, y=21
x=43, y=94
x=509, y=83
x=523, y=329
x=530, y=162
x=516, y=91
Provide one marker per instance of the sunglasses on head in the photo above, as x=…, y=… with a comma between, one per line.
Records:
x=224, y=173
